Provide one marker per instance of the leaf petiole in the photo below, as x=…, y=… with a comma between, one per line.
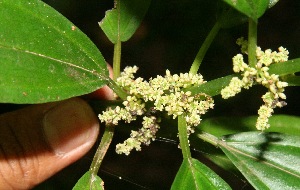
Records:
x=203, y=49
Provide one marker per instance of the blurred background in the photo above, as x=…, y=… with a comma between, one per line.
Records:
x=169, y=38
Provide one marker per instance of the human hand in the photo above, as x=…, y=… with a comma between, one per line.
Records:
x=38, y=141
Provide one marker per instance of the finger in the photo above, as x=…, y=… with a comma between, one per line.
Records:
x=38, y=141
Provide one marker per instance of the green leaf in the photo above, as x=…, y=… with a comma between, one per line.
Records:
x=267, y=160
x=230, y=17
x=120, y=24
x=212, y=153
x=220, y=126
x=212, y=87
x=285, y=68
x=43, y=56
x=229, y=125
x=195, y=175
x=292, y=80
x=252, y=8
x=84, y=183
x=215, y=86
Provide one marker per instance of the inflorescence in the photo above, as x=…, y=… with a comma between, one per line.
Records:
x=275, y=96
x=162, y=94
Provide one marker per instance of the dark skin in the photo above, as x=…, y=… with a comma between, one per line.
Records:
x=38, y=141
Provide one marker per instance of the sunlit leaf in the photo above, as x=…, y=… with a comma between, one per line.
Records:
x=195, y=175
x=43, y=56
x=84, y=183
x=267, y=160
x=122, y=24
x=252, y=8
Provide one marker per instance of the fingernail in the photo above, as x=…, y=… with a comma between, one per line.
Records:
x=70, y=125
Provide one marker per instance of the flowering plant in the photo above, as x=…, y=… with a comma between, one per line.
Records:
x=73, y=66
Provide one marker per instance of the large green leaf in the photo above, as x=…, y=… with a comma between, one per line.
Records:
x=195, y=175
x=84, y=183
x=220, y=126
x=121, y=24
x=252, y=8
x=267, y=160
x=43, y=56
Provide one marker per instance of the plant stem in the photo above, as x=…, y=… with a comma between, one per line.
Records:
x=101, y=151
x=183, y=137
x=252, y=42
x=109, y=130
x=117, y=59
x=117, y=47
x=203, y=49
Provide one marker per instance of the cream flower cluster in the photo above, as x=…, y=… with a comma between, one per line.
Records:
x=162, y=94
x=137, y=138
x=260, y=75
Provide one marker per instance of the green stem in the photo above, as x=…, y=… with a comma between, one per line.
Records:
x=101, y=151
x=252, y=42
x=183, y=137
x=117, y=47
x=117, y=60
x=203, y=49
x=109, y=130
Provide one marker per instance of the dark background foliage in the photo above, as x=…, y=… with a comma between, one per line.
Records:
x=169, y=38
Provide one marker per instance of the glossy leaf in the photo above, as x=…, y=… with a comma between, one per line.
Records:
x=43, y=56
x=267, y=160
x=122, y=24
x=220, y=126
x=84, y=183
x=213, y=153
x=252, y=8
x=195, y=175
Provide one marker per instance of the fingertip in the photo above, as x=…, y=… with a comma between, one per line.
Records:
x=43, y=140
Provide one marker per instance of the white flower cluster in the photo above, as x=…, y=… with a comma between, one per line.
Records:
x=163, y=94
x=259, y=74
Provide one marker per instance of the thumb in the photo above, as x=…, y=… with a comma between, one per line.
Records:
x=38, y=141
